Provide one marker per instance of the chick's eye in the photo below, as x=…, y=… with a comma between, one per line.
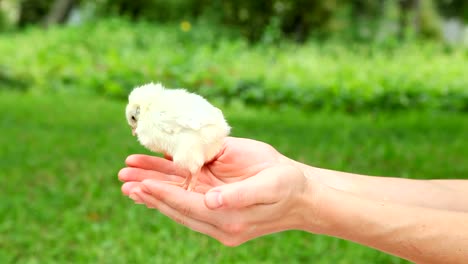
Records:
x=133, y=118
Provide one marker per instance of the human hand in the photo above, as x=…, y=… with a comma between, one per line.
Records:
x=247, y=191
x=238, y=159
x=250, y=190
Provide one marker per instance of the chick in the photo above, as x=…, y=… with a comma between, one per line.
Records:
x=177, y=123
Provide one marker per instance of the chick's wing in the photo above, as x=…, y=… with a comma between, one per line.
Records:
x=176, y=121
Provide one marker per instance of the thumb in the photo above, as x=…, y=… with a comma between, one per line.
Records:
x=258, y=189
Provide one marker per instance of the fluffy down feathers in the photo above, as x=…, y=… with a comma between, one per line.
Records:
x=178, y=123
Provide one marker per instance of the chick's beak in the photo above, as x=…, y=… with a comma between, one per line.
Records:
x=133, y=131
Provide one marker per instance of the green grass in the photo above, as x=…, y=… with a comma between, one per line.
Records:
x=61, y=200
x=112, y=56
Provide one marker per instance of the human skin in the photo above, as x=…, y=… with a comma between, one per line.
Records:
x=250, y=190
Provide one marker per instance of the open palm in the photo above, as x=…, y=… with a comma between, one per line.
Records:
x=239, y=159
x=257, y=187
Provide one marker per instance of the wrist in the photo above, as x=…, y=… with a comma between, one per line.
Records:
x=323, y=209
x=346, y=182
x=310, y=206
x=317, y=203
x=320, y=202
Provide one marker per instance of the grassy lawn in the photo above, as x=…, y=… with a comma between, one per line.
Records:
x=61, y=200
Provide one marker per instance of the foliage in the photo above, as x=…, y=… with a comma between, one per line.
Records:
x=61, y=200
x=111, y=57
x=454, y=8
x=3, y=21
x=33, y=11
x=428, y=20
x=294, y=19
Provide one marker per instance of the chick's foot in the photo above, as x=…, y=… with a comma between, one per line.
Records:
x=185, y=184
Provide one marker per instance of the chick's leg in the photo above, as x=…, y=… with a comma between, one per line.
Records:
x=187, y=184
x=180, y=184
x=187, y=181
x=189, y=155
x=184, y=184
x=193, y=181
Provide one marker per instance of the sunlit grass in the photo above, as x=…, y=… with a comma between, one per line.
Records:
x=61, y=200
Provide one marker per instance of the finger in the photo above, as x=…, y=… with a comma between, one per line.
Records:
x=187, y=203
x=263, y=188
x=137, y=174
x=128, y=187
x=154, y=163
x=232, y=232
x=179, y=217
x=231, y=227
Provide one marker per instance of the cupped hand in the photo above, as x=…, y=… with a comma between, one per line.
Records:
x=248, y=190
x=238, y=159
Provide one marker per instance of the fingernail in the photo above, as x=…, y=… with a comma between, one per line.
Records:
x=214, y=199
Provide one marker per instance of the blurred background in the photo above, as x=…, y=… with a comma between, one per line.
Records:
x=371, y=87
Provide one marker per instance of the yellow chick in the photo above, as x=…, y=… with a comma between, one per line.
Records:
x=177, y=123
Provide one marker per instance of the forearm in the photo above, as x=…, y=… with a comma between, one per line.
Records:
x=436, y=194
x=418, y=234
